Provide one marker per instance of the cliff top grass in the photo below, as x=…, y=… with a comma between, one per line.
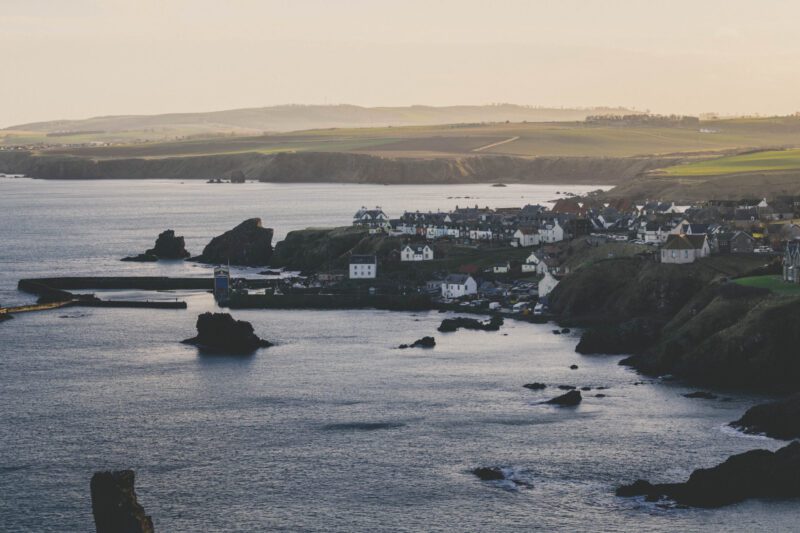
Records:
x=767, y=161
x=772, y=283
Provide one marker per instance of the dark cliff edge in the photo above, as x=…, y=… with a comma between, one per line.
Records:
x=340, y=167
x=686, y=320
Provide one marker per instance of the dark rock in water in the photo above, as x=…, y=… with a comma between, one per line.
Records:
x=449, y=325
x=599, y=395
x=753, y=474
x=573, y=397
x=424, y=342
x=167, y=246
x=556, y=332
x=573, y=367
x=779, y=420
x=565, y=330
x=702, y=395
x=270, y=273
x=219, y=332
x=567, y=387
x=586, y=389
x=248, y=244
x=535, y=386
x=489, y=473
x=237, y=176
x=5, y=316
x=141, y=258
x=114, y=504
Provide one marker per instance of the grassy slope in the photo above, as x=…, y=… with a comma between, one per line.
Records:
x=767, y=161
x=772, y=283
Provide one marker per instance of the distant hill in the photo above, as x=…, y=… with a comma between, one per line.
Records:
x=304, y=117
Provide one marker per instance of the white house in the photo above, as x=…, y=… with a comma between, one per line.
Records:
x=416, y=252
x=652, y=233
x=363, y=266
x=531, y=263
x=552, y=232
x=685, y=248
x=547, y=284
x=527, y=236
x=375, y=219
x=501, y=268
x=459, y=285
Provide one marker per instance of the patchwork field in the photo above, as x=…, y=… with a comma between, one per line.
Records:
x=767, y=161
x=544, y=139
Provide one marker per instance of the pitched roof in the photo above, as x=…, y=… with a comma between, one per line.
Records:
x=685, y=242
x=457, y=279
x=363, y=260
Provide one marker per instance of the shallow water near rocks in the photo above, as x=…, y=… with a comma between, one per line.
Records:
x=332, y=429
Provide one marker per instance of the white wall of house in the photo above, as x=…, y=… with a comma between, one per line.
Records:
x=526, y=239
x=410, y=254
x=547, y=284
x=363, y=271
x=552, y=232
x=459, y=290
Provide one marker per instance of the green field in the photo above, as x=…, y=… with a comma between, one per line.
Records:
x=774, y=160
x=543, y=139
x=772, y=283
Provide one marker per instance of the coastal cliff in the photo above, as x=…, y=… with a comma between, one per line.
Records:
x=686, y=320
x=327, y=248
x=339, y=167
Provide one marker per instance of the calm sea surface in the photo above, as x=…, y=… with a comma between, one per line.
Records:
x=331, y=429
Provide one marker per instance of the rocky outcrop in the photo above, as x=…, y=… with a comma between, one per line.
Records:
x=449, y=325
x=753, y=474
x=114, y=504
x=424, y=342
x=535, y=386
x=629, y=337
x=498, y=473
x=779, y=420
x=573, y=397
x=220, y=333
x=168, y=246
x=248, y=244
x=326, y=248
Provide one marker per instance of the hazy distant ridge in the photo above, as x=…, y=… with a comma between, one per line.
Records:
x=301, y=117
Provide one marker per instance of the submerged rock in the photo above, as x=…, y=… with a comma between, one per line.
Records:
x=167, y=246
x=497, y=473
x=114, y=504
x=535, y=386
x=573, y=367
x=753, y=474
x=573, y=397
x=424, y=342
x=703, y=395
x=219, y=332
x=248, y=244
x=779, y=420
x=449, y=325
x=567, y=387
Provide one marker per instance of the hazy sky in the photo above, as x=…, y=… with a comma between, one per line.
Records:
x=80, y=58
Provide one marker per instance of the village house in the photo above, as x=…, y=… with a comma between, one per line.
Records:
x=526, y=236
x=531, y=263
x=458, y=286
x=791, y=262
x=547, y=284
x=503, y=267
x=416, y=252
x=681, y=249
x=363, y=267
x=737, y=242
x=552, y=232
x=374, y=219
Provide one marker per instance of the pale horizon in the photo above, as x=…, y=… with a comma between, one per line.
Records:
x=88, y=58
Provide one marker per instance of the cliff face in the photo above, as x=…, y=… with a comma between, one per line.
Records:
x=339, y=167
x=686, y=320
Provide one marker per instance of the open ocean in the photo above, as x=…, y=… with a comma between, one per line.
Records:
x=332, y=429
